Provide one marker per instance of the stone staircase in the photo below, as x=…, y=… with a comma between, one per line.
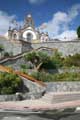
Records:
x=60, y=97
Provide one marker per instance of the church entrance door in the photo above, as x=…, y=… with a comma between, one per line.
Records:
x=29, y=37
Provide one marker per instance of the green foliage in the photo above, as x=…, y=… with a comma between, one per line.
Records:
x=42, y=76
x=46, y=77
x=37, y=58
x=67, y=77
x=31, y=56
x=23, y=66
x=48, y=62
x=72, y=60
x=45, y=62
x=9, y=83
x=6, y=90
x=57, y=59
x=6, y=54
x=78, y=32
x=48, y=65
x=43, y=57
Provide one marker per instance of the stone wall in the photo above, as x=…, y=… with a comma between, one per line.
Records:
x=63, y=87
x=7, y=98
x=26, y=46
x=33, y=87
x=15, y=64
x=17, y=47
x=20, y=96
x=10, y=46
x=36, y=91
x=65, y=47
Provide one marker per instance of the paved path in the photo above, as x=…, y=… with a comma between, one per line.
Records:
x=49, y=101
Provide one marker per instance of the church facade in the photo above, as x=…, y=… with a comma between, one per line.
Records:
x=27, y=38
x=27, y=32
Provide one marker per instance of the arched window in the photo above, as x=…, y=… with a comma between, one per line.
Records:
x=29, y=36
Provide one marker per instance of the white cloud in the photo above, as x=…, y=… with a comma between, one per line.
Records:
x=74, y=12
x=67, y=35
x=60, y=22
x=53, y=26
x=5, y=21
x=36, y=1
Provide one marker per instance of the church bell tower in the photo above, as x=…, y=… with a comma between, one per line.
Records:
x=29, y=21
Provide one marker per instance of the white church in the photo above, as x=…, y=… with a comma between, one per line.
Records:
x=28, y=32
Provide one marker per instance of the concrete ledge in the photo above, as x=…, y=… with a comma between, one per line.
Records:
x=63, y=87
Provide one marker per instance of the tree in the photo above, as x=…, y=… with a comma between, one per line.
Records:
x=37, y=58
x=78, y=32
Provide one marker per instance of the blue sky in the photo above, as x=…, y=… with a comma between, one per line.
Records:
x=57, y=17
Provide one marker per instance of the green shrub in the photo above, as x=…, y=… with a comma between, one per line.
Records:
x=6, y=90
x=42, y=76
x=67, y=77
x=6, y=54
x=72, y=60
x=57, y=59
x=46, y=77
x=48, y=65
x=24, y=68
x=10, y=83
